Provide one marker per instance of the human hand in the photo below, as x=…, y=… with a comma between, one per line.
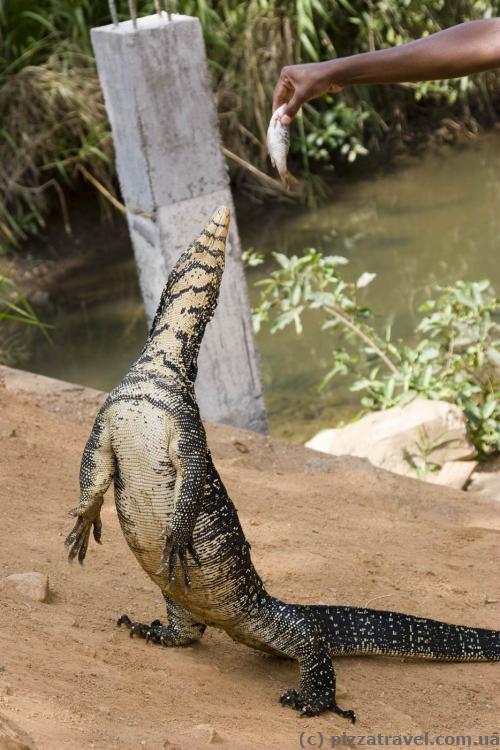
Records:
x=300, y=83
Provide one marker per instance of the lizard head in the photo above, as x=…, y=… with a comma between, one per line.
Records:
x=189, y=299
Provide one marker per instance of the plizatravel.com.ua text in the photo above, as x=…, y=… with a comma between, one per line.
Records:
x=427, y=739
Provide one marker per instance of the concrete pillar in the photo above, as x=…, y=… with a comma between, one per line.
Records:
x=173, y=176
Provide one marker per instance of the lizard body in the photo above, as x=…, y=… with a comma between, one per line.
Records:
x=183, y=528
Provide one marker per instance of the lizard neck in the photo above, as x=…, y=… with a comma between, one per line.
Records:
x=187, y=304
x=171, y=353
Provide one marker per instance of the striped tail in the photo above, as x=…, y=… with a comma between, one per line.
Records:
x=370, y=631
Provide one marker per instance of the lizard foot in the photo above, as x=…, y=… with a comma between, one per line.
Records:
x=314, y=706
x=157, y=632
x=78, y=539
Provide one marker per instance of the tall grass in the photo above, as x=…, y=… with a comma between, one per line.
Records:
x=14, y=309
x=53, y=127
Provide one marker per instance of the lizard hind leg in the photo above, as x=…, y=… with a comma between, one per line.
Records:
x=295, y=631
x=316, y=692
x=180, y=630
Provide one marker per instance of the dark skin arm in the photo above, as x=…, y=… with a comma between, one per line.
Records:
x=468, y=48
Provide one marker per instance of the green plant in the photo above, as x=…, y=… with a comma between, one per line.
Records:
x=333, y=130
x=454, y=354
x=14, y=306
x=14, y=309
x=53, y=124
x=54, y=128
x=420, y=456
x=251, y=258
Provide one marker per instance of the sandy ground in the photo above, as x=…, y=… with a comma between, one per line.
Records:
x=322, y=530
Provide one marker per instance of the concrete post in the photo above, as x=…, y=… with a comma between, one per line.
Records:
x=172, y=175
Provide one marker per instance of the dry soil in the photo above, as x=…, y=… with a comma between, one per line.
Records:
x=322, y=530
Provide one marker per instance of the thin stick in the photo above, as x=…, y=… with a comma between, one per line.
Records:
x=374, y=598
x=133, y=12
x=167, y=8
x=62, y=199
x=113, y=13
x=104, y=191
x=250, y=168
x=354, y=328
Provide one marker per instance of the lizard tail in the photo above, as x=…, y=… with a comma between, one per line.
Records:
x=351, y=630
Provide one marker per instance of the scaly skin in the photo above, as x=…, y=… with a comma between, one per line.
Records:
x=184, y=530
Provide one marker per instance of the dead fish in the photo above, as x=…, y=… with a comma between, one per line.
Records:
x=278, y=143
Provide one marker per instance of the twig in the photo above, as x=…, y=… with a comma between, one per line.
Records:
x=40, y=188
x=364, y=336
x=104, y=191
x=250, y=168
x=374, y=599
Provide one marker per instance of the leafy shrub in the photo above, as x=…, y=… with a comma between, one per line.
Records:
x=454, y=354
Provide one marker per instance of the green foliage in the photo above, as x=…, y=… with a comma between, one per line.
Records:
x=53, y=125
x=251, y=258
x=454, y=354
x=333, y=130
x=53, y=130
x=14, y=306
x=14, y=309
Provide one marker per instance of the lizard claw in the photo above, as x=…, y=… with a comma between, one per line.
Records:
x=97, y=530
x=194, y=554
x=176, y=551
x=78, y=538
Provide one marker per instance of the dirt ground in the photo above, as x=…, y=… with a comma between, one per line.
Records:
x=322, y=530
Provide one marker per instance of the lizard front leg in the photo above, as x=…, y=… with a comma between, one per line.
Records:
x=96, y=472
x=188, y=454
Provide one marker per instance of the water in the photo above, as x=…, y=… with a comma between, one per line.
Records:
x=427, y=221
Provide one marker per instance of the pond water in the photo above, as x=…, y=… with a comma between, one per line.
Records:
x=423, y=222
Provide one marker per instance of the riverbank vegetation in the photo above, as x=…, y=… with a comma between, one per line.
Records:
x=453, y=355
x=54, y=130
x=15, y=308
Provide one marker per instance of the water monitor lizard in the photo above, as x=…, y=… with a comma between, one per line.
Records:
x=184, y=530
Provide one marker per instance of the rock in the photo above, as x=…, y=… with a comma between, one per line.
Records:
x=423, y=430
x=453, y=474
x=486, y=479
x=33, y=585
x=241, y=447
x=206, y=733
x=13, y=737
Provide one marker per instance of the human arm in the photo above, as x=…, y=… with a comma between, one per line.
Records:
x=461, y=50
